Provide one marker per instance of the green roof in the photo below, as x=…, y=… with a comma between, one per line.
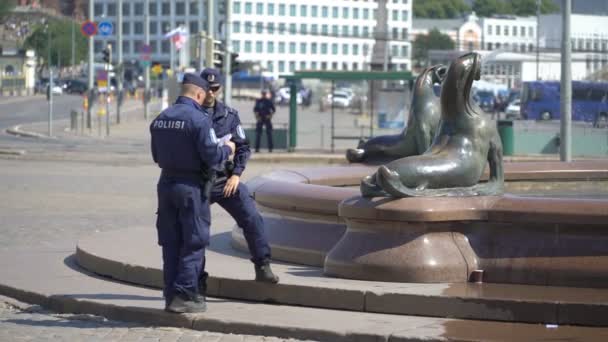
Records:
x=351, y=75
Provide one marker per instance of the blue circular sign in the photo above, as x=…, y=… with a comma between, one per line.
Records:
x=105, y=28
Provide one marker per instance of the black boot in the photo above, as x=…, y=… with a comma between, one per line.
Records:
x=183, y=304
x=263, y=273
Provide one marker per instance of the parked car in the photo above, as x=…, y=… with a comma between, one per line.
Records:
x=57, y=88
x=75, y=87
x=284, y=94
x=485, y=100
x=513, y=110
x=340, y=99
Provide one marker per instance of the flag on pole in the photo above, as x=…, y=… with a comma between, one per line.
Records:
x=178, y=36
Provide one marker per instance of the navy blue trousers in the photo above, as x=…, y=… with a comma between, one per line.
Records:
x=183, y=232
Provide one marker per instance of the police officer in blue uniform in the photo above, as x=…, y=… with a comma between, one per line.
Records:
x=228, y=191
x=264, y=110
x=183, y=144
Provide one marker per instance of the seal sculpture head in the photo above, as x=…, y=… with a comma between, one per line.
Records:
x=465, y=141
x=421, y=126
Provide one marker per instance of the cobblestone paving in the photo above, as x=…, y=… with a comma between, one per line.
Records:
x=32, y=323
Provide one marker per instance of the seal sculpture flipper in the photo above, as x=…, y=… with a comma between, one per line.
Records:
x=421, y=126
x=466, y=140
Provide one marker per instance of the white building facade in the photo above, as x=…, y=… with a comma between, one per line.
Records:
x=509, y=33
x=285, y=36
x=164, y=16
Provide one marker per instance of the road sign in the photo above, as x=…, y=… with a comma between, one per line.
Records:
x=88, y=28
x=105, y=28
x=102, y=81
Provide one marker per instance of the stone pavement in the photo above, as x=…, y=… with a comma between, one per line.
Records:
x=25, y=322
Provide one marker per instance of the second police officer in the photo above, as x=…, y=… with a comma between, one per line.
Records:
x=183, y=143
x=264, y=110
x=228, y=191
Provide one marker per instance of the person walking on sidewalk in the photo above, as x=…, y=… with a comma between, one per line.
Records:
x=264, y=110
x=183, y=143
x=227, y=190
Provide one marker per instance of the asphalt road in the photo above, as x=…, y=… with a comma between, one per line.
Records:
x=20, y=110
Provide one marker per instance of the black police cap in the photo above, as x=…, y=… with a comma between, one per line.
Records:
x=196, y=80
x=213, y=76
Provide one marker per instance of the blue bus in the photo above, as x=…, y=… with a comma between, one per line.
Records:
x=540, y=100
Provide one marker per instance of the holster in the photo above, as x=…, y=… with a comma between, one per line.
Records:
x=208, y=176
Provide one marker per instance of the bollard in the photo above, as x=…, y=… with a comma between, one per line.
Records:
x=73, y=120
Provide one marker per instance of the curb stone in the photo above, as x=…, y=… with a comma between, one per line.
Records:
x=16, y=130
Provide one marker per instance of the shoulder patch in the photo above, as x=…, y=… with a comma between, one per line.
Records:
x=240, y=132
x=212, y=136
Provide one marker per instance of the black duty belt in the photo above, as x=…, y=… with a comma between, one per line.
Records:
x=184, y=174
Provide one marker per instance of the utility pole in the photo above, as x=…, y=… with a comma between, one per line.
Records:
x=538, y=40
x=73, y=59
x=147, y=68
x=50, y=82
x=566, y=86
x=201, y=46
x=108, y=92
x=91, y=68
x=119, y=62
x=210, y=27
x=228, y=55
x=171, y=45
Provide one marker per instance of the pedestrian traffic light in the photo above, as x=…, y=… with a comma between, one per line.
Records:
x=107, y=54
x=235, y=66
x=218, y=55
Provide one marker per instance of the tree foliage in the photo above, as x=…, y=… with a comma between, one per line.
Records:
x=440, y=9
x=59, y=34
x=435, y=40
x=6, y=6
x=488, y=8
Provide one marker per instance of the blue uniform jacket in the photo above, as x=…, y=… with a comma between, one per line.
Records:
x=226, y=121
x=183, y=138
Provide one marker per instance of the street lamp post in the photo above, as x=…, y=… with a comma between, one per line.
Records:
x=50, y=114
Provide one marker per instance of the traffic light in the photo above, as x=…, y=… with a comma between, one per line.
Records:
x=235, y=66
x=218, y=55
x=107, y=54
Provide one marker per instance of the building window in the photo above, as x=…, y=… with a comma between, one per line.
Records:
x=281, y=28
x=165, y=27
x=98, y=10
x=281, y=66
x=404, y=51
x=522, y=31
x=334, y=49
x=313, y=65
x=303, y=11
x=323, y=65
x=247, y=46
x=259, y=46
x=324, y=11
x=248, y=27
x=497, y=30
x=292, y=28
x=153, y=46
x=292, y=10
x=355, y=49
x=314, y=11
x=165, y=8
x=395, y=15
x=154, y=27
x=302, y=48
x=236, y=46
x=165, y=47
x=259, y=8
x=193, y=7
x=259, y=27
x=531, y=31
x=292, y=66
x=506, y=30
x=281, y=47
x=345, y=30
x=324, y=48
x=345, y=12
x=248, y=8
x=313, y=48
x=334, y=65
x=303, y=29
x=366, y=13
x=404, y=15
x=270, y=47
x=404, y=34
x=180, y=8
x=314, y=29
x=270, y=28
x=355, y=13
x=498, y=45
x=126, y=27
x=334, y=12
x=489, y=46
x=355, y=66
x=126, y=9
x=489, y=30
x=138, y=45
x=236, y=27
x=395, y=33
x=111, y=10
x=345, y=49
x=355, y=31
x=236, y=7
x=281, y=9
x=138, y=28
x=193, y=26
x=292, y=48
x=152, y=9
x=365, y=31
x=270, y=66
x=270, y=9
x=324, y=29
x=394, y=51
x=334, y=30
x=365, y=49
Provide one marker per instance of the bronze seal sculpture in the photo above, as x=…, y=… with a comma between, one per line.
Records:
x=455, y=162
x=421, y=124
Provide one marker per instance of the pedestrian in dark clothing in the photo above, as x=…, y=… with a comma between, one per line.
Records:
x=227, y=190
x=264, y=110
x=183, y=143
